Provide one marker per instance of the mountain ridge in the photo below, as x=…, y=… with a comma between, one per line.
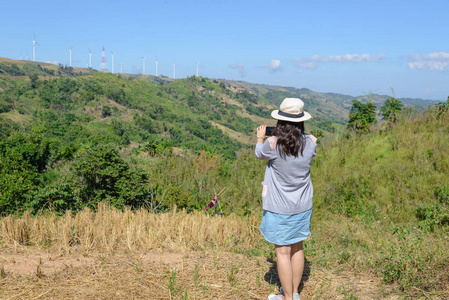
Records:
x=145, y=107
x=258, y=88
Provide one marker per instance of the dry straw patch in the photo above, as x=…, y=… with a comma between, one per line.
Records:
x=109, y=230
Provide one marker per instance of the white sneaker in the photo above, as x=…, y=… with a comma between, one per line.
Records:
x=279, y=297
x=295, y=296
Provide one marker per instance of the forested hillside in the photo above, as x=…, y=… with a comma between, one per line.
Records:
x=73, y=137
x=57, y=122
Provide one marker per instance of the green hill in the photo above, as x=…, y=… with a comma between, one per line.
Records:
x=12, y=67
x=130, y=110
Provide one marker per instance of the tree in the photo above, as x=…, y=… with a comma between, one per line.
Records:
x=106, y=112
x=101, y=174
x=390, y=109
x=442, y=106
x=23, y=158
x=33, y=78
x=361, y=116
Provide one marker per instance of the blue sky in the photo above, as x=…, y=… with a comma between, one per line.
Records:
x=348, y=47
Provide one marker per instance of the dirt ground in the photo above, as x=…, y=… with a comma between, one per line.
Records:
x=29, y=274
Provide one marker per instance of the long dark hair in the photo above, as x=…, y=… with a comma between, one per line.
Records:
x=290, y=138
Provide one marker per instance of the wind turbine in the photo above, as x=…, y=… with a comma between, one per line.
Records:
x=90, y=58
x=70, y=50
x=112, y=53
x=144, y=58
x=121, y=67
x=174, y=71
x=156, y=66
x=197, y=64
x=34, y=47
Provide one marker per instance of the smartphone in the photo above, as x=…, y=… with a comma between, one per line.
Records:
x=269, y=130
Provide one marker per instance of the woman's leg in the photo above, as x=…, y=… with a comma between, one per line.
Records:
x=285, y=271
x=297, y=259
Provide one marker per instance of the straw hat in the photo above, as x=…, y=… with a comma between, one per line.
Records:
x=291, y=109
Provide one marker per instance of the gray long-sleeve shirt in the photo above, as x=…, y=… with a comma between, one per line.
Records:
x=287, y=188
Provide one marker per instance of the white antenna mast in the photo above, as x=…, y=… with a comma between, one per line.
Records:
x=70, y=50
x=90, y=58
x=34, y=47
x=112, y=53
x=144, y=58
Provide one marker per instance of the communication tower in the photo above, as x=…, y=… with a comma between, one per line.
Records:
x=103, y=62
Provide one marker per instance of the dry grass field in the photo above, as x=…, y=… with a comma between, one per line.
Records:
x=139, y=255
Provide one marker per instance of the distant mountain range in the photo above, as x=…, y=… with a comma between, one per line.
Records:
x=276, y=92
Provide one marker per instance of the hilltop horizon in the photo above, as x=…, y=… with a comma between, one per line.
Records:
x=376, y=98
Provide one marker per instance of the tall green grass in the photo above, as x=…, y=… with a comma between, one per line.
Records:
x=380, y=203
x=380, y=200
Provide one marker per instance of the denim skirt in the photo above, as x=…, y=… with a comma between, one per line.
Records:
x=285, y=230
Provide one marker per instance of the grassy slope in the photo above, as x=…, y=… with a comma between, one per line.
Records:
x=367, y=192
x=396, y=168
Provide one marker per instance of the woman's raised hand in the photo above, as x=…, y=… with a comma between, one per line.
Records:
x=261, y=130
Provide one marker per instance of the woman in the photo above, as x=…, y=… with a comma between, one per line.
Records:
x=287, y=191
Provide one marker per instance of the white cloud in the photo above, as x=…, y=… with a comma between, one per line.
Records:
x=274, y=65
x=311, y=62
x=308, y=65
x=437, y=61
x=355, y=58
x=240, y=67
x=315, y=57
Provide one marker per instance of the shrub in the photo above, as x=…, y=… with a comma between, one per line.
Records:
x=391, y=108
x=56, y=197
x=431, y=216
x=177, y=195
x=442, y=194
x=100, y=173
x=361, y=116
x=106, y=111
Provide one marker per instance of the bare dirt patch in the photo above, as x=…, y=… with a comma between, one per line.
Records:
x=158, y=274
x=48, y=263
